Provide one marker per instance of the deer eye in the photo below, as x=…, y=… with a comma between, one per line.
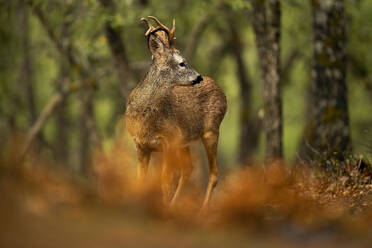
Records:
x=182, y=64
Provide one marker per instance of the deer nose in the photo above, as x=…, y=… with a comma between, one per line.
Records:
x=198, y=80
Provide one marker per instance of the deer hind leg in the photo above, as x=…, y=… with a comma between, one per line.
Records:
x=184, y=159
x=143, y=163
x=210, y=141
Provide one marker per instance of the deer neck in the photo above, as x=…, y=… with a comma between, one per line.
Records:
x=154, y=89
x=158, y=80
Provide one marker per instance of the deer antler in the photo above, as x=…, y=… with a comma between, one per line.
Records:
x=162, y=27
x=151, y=28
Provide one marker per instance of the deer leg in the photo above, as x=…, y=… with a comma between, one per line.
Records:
x=143, y=163
x=210, y=140
x=166, y=176
x=186, y=169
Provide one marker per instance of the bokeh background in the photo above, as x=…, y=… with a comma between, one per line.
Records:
x=34, y=69
x=67, y=164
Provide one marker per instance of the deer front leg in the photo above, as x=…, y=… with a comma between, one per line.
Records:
x=166, y=176
x=210, y=141
x=186, y=170
x=143, y=163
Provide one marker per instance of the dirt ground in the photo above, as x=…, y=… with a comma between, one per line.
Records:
x=97, y=227
x=254, y=207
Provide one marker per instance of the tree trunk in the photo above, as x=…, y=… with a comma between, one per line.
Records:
x=249, y=129
x=89, y=136
x=85, y=131
x=126, y=77
x=63, y=125
x=328, y=131
x=266, y=24
x=25, y=75
x=62, y=151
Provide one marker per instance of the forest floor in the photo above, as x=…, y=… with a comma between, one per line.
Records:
x=43, y=206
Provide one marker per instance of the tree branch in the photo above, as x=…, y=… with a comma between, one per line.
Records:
x=65, y=51
x=56, y=99
x=48, y=110
x=118, y=50
x=195, y=36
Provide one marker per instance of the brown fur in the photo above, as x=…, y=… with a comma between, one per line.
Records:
x=188, y=111
x=167, y=111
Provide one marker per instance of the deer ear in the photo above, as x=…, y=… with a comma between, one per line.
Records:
x=156, y=46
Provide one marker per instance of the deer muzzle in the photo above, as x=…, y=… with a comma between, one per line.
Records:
x=198, y=79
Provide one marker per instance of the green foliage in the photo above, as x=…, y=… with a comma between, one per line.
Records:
x=239, y=5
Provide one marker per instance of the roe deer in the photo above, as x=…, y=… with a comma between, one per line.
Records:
x=173, y=106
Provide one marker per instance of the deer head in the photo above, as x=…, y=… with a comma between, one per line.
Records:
x=168, y=64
